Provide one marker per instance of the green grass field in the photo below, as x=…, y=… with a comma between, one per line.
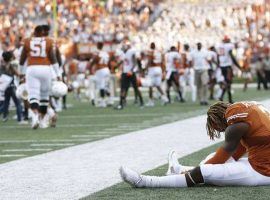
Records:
x=83, y=123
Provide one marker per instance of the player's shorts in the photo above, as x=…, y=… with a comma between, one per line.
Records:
x=102, y=78
x=38, y=82
x=155, y=74
x=237, y=173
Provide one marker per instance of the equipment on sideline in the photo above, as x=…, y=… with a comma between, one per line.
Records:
x=59, y=89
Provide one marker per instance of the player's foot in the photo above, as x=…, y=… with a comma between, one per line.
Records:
x=44, y=122
x=131, y=177
x=23, y=122
x=173, y=166
x=35, y=121
x=5, y=119
x=119, y=107
x=150, y=104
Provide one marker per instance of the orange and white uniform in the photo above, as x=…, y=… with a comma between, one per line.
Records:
x=38, y=72
x=155, y=67
x=102, y=73
x=254, y=169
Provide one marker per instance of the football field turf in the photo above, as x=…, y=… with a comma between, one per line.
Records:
x=83, y=123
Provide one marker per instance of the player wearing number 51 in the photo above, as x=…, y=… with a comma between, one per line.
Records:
x=40, y=54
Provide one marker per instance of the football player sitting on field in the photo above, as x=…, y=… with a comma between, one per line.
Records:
x=247, y=130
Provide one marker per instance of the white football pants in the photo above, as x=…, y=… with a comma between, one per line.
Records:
x=188, y=79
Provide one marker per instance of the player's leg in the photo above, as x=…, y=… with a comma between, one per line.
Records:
x=46, y=80
x=133, y=81
x=123, y=92
x=33, y=85
x=176, y=83
x=6, y=104
x=18, y=105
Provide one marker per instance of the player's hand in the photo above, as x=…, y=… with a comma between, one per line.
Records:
x=129, y=74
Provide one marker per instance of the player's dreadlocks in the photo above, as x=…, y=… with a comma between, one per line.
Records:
x=216, y=121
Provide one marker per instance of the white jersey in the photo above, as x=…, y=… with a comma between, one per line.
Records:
x=128, y=60
x=223, y=53
x=213, y=57
x=103, y=58
x=171, y=57
x=157, y=57
x=200, y=59
x=82, y=66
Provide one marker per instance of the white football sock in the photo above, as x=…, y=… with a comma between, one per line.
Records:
x=163, y=181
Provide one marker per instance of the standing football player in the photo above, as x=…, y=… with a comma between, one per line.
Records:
x=39, y=51
x=155, y=72
x=129, y=62
x=226, y=60
x=99, y=64
x=173, y=62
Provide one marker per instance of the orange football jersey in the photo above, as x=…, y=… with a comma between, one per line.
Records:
x=37, y=50
x=257, y=140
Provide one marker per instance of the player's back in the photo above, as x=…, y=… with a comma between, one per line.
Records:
x=38, y=50
x=257, y=140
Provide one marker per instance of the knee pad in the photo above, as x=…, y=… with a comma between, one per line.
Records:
x=34, y=104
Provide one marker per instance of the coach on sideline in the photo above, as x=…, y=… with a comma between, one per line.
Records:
x=9, y=70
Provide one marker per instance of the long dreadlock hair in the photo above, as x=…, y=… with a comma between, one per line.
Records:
x=216, y=122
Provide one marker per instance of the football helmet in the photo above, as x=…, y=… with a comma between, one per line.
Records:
x=21, y=92
x=59, y=89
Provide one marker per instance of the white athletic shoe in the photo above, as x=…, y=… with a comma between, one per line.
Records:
x=164, y=100
x=35, y=121
x=173, y=165
x=23, y=122
x=150, y=103
x=130, y=176
x=44, y=123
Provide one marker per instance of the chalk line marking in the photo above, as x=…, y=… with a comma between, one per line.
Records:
x=69, y=173
x=24, y=150
x=11, y=155
x=89, y=136
x=36, y=141
x=52, y=144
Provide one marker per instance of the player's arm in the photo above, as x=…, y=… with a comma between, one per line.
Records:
x=234, y=59
x=233, y=135
x=23, y=57
x=53, y=60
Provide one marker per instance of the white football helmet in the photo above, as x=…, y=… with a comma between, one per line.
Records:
x=75, y=84
x=59, y=89
x=21, y=92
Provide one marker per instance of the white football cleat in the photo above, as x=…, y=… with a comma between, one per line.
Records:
x=130, y=176
x=173, y=165
x=150, y=103
x=44, y=123
x=35, y=121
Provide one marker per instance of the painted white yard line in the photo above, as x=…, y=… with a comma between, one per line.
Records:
x=89, y=136
x=81, y=170
x=113, y=115
x=35, y=141
x=11, y=155
x=24, y=150
x=51, y=144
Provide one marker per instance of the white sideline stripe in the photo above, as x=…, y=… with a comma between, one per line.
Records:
x=112, y=115
x=89, y=136
x=52, y=144
x=11, y=155
x=25, y=150
x=35, y=141
x=81, y=170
